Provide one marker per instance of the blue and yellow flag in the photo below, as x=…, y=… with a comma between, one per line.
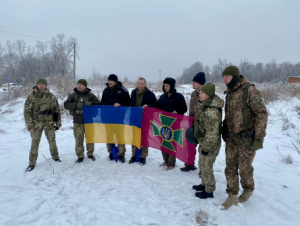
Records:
x=108, y=124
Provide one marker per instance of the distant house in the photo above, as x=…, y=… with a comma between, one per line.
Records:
x=294, y=79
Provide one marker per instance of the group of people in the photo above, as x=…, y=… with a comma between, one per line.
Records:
x=243, y=128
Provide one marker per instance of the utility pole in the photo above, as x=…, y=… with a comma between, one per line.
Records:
x=159, y=75
x=74, y=65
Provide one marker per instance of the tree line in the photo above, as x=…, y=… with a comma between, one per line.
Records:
x=20, y=62
x=271, y=72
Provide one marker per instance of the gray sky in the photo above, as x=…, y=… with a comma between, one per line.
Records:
x=149, y=35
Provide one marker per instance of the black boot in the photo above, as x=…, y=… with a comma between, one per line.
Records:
x=79, y=160
x=122, y=159
x=92, y=157
x=57, y=160
x=111, y=157
x=132, y=160
x=199, y=187
x=30, y=167
x=204, y=195
x=187, y=168
x=143, y=161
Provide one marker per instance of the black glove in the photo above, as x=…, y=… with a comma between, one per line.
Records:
x=204, y=152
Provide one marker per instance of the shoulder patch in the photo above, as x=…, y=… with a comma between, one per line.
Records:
x=256, y=100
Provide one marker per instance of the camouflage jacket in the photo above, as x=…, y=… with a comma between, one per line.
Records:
x=193, y=103
x=74, y=98
x=39, y=108
x=257, y=115
x=208, y=119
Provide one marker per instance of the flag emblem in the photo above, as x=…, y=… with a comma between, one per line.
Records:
x=166, y=132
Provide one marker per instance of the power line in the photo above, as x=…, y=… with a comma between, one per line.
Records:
x=112, y=56
x=24, y=31
x=91, y=48
x=23, y=35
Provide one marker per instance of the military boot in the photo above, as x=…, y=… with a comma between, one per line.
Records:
x=143, y=161
x=132, y=160
x=92, y=157
x=111, y=157
x=79, y=160
x=245, y=196
x=122, y=159
x=199, y=187
x=188, y=168
x=30, y=167
x=204, y=195
x=231, y=200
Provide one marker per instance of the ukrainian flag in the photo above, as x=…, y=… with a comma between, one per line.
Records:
x=108, y=124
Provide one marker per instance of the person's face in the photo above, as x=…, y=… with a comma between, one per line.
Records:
x=203, y=96
x=111, y=83
x=41, y=86
x=81, y=87
x=167, y=88
x=227, y=79
x=141, y=84
x=196, y=85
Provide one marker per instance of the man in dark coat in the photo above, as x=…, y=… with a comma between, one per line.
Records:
x=117, y=95
x=81, y=96
x=174, y=102
x=142, y=97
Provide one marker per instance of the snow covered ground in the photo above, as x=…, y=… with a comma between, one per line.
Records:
x=110, y=193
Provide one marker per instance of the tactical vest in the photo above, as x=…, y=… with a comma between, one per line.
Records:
x=248, y=133
x=78, y=99
x=43, y=107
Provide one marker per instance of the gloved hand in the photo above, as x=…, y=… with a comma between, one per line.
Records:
x=79, y=105
x=257, y=144
x=87, y=103
x=204, y=152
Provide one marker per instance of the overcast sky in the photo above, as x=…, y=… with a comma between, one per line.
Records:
x=140, y=37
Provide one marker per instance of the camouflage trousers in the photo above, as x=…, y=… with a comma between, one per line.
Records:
x=144, y=151
x=206, y=163
x=168, y=159
x=121, y=148
x=35, y=141
x=79, y=132
x=238, y=161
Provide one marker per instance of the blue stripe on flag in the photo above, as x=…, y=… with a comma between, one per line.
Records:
x=131, y=116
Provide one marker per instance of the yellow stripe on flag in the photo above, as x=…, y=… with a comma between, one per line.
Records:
x=113, y=134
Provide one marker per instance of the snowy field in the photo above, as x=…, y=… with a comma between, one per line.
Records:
x=109, y=193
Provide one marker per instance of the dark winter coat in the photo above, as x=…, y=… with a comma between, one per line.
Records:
x=175, y=102
x=74, y=98
x=119, y=94
x=149, y=98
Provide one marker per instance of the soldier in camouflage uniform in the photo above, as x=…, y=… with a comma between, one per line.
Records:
x=198, y=81
x=81, y=96
x=41, y=109
x=243, y=135
x=208, y=133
